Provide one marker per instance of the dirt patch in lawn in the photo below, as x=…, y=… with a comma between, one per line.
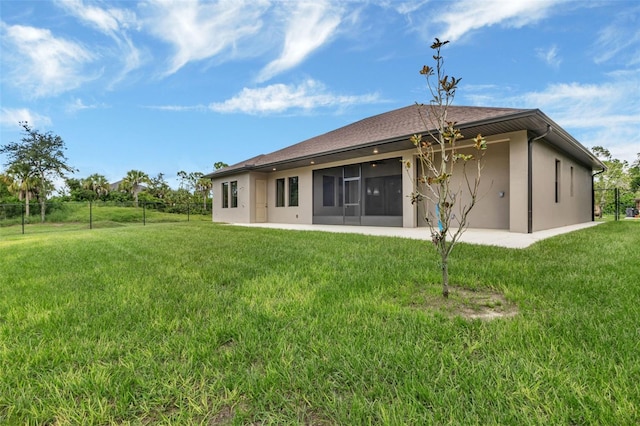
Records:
x=483, y=304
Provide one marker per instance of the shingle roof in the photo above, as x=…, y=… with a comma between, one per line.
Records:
x=390, y=125
x=382, y=128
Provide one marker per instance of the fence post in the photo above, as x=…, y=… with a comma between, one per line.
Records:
x=90, y=215
x=188, y=211
x=617, y=203
x=144, y=213
x=22, y=211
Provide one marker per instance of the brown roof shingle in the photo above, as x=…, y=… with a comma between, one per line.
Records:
x=393, y=125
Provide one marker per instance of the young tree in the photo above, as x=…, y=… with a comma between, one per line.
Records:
x=43, y=155
x=447, y=203
x=132, y=182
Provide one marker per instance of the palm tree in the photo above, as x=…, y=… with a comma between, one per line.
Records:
x=22, y=182
x=132, y=182
x=204, y=185
x=96, y=183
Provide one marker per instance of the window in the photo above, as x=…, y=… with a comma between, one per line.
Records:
x=280, y=192
x=234, y=193
x=225, y=195
x=571, y=187
x=293, y=191
x=557, y=186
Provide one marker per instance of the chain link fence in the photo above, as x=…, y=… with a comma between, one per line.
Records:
x=18, y=218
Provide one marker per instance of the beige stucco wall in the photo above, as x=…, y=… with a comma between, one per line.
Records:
x=492, y=208
x=518, y=182
x=494, y=193
x=302, y=213
x=240, y=214
x=573, y=206
x=505, y=171
x=246, y=210
x=409, y=210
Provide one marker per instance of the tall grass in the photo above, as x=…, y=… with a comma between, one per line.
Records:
x=204, y=323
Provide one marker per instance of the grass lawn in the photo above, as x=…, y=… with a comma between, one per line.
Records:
x=198, y=323
x=76, y=216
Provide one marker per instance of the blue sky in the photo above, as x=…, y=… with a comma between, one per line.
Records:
x=163, y=86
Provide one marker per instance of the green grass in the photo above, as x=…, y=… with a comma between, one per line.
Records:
x=75, y=216
x=198, y=323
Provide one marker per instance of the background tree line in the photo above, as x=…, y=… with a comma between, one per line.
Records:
x=137, y=186
x=620, y=175
x=34, y=163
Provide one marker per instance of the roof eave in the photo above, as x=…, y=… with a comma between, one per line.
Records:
x=229, y=171
x=593, y=161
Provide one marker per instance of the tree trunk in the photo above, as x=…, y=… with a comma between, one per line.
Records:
x=26, y=204
x=445, y=277
x=42, y=196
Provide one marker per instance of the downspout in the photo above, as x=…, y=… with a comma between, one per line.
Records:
x=530, y=142
x=593, y=194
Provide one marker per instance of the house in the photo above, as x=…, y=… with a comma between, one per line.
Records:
x=536, y=175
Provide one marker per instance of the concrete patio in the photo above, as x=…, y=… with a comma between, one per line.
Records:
x=492, y=237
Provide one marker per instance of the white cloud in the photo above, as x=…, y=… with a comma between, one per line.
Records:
x=10, y=117
x=606, y=114
x=178, y=108
x=310, y=25
x=578, y=105
x=108, y=21
x=549, y=56
x=199, y=31
x=406, y=8
x=624, y=148
x=278, y=98
x=79, y=105
x=465, y=16
x=620, y=39
x=42, y=64
x=112, y=22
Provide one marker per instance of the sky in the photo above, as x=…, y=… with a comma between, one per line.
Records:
x=163, y=86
